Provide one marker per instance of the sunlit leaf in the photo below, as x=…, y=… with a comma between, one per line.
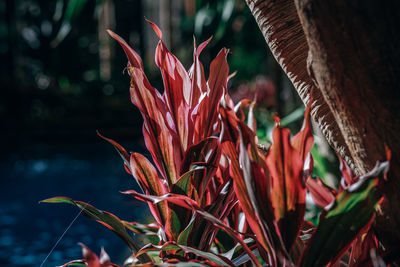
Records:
x=146, y=229
x=161, y=140
x=177, y=89
x=196, y=74
x=151, y=183
x=351, y=212
x=206, y=123
x=303, y=141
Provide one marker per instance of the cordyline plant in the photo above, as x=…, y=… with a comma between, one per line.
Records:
x=217, y=198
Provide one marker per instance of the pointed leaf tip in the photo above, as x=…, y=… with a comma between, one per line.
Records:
x=388, y=153
x=110, y=32
x=203, y=45
x=155, y=28
x=121, y=151
x=277, y=120
x=133, y=57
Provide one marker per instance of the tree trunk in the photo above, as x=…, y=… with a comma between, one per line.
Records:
x=351, y=50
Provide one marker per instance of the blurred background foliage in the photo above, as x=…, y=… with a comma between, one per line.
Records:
x=62, y=76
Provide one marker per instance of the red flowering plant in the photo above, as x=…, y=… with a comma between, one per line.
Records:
x=217, y=198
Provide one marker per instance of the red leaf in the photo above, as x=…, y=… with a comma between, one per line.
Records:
x=304, y=140
x=287, y=188
x=134, y=59
x=121, y=151
x=91, y=258
x=161, y=140
x=229, y=130
x=244, y=103
x=196, y=74
x=250, y=180
x=348, y=177
x=219, y=70
x=320, y=193
x=151, y=183
x=155, y=28
x=146, y=175
x=362, y=248
x=206, y=123
x=244, y=197
x=177, y=89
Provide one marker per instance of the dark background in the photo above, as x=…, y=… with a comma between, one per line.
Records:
x=61, y=79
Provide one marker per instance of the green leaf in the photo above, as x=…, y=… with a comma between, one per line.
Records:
x=74, y=8
x=184, y=184
x=295, y=115
x=75, y=263
x=220, y=260
x=109, y=220
x=149, y=229
x=350, y=214
x=168, y=246
x=175, y=223
x=184, y=236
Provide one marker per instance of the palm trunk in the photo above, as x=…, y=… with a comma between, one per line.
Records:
x=348, y=54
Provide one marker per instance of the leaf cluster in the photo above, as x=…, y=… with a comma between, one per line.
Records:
x=216, y=197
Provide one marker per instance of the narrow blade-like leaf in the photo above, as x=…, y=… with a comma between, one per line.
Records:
x=196, y=74
x=288, y=191
x=151, y=183
x=177, y=89
x=109, y=220
x=121, y=151
x=206, y=123
x=304, y=140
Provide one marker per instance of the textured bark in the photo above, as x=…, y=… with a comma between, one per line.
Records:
x=351, y=50
x=355, y=56
x=280, y=25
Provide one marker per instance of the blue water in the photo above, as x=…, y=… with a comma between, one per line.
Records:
x=89, y=172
